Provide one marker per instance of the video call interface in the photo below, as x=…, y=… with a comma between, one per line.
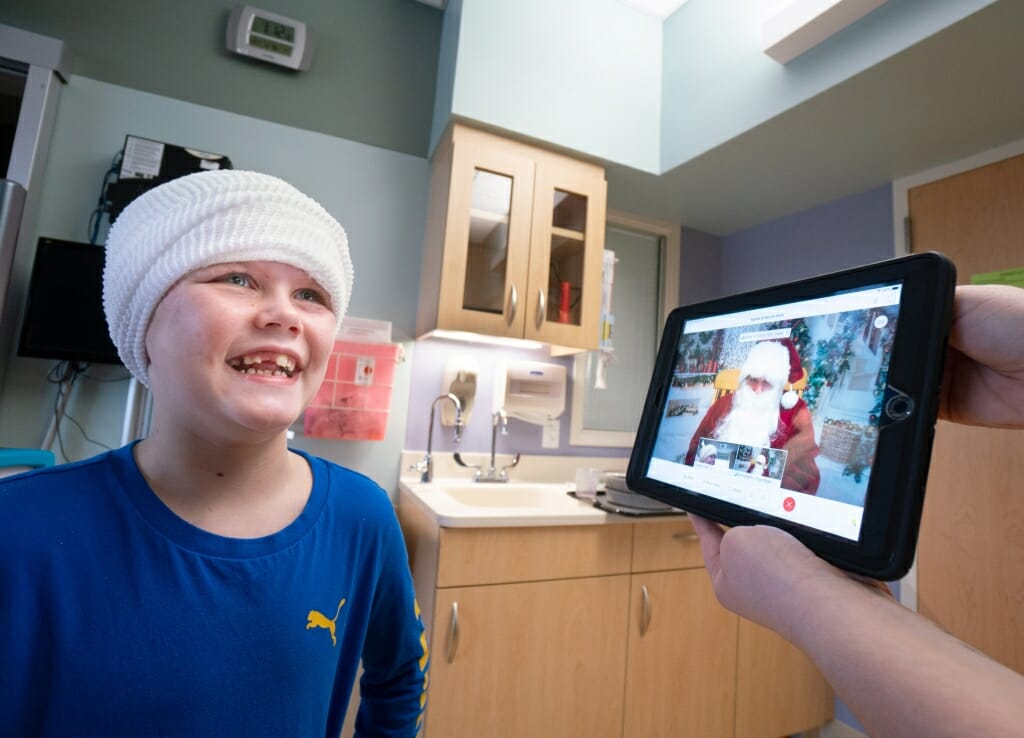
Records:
x=777, y=409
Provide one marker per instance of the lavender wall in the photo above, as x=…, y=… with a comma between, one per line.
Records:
x=700, y=267
x=840, y=234
x=429, y=358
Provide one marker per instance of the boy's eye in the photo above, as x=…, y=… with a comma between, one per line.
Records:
x=311, y=295
x=237, y=278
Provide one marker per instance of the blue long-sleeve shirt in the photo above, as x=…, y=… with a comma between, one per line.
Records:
x=117, y=617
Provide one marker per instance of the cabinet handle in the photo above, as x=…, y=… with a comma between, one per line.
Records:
x=453, y=633
x=513, y=305
x=645, y=613
x=684, y=536
x=542, y=306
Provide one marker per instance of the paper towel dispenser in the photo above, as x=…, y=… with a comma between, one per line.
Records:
x=532, y=391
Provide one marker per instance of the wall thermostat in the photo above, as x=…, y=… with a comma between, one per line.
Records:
x=269, y=37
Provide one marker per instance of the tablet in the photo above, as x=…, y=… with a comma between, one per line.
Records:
x=809, y=406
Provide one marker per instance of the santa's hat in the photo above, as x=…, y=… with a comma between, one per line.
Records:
x=779, y=363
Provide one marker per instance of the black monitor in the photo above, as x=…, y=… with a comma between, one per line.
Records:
x=64, y=315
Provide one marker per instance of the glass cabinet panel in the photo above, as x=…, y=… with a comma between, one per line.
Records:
x=487, y=255
x=567, y=258
x=514, y=234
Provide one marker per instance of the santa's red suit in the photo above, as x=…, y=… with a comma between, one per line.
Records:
x=794, y=434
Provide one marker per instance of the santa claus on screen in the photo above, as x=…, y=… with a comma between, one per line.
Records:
x=765, y=412
x=758, y=466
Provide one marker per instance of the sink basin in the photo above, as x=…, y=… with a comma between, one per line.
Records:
x=457, y=503
x=506, y=495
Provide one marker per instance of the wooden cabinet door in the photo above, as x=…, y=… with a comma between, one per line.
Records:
x=779, y=691
x=514, y=243
x=970, y=555
x=681, y=672
x=563, y=304
x=537, y=660
x=661, y=545
x=487, y=240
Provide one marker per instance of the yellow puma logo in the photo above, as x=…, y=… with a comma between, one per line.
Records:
x=317, y=619
x=423, y=664
x=423, y=644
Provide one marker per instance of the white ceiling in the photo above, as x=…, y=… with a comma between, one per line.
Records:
x=955, y=94
x=660, y=9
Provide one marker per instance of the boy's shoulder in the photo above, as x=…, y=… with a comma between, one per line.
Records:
x=57, y=502
x=347, y=486
x=63, y=477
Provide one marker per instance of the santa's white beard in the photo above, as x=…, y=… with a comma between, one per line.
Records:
x=754, y=417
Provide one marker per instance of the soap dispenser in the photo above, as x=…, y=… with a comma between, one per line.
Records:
x=460, y=379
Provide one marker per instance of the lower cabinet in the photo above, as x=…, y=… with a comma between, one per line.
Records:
x=592, y=631
x=681, y=668
x=531, y=659
x=779, y=691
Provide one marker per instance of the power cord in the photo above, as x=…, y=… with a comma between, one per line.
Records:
x=64, y=374
x=102, y=204
x=104, y=380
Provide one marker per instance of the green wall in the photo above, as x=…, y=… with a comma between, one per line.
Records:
x=372, y=78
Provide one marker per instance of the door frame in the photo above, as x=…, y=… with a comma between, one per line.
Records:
x=670, y=257
x=900, y=212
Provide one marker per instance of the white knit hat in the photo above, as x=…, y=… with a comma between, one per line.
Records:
x=706, y=451
x=211, y=218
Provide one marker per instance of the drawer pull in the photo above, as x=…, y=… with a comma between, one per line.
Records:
x=453, y=633
x=541, y=307
x=513, y=305
x=645, y=612
x=684, y=536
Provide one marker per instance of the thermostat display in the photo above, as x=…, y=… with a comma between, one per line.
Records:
x=269, y=37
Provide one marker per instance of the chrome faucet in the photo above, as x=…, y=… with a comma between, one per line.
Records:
x=493, y=474
x=426, y=465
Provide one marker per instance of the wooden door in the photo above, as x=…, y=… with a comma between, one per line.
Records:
x=681, y=674
x=970, y=559
x=779, y=691
x=539, y=659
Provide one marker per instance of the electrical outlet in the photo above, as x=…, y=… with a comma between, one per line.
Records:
x=551, y=433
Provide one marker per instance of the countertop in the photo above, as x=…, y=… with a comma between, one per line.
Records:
x=460, y=503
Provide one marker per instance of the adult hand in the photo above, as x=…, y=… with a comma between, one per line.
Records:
x=768, y=576
x=984, y=377
x=898, y=673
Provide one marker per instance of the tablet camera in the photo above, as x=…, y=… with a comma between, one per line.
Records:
x=899, y=407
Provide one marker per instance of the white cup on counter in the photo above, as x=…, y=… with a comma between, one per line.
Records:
x=587, y=480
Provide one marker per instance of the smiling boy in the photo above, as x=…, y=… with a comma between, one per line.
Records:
x=185, y=584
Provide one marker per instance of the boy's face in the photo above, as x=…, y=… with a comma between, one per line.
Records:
x=239, y=349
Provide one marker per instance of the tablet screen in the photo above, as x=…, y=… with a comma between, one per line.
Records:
x=777, y=409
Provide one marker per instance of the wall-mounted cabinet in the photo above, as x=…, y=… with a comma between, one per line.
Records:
x=514, y=242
